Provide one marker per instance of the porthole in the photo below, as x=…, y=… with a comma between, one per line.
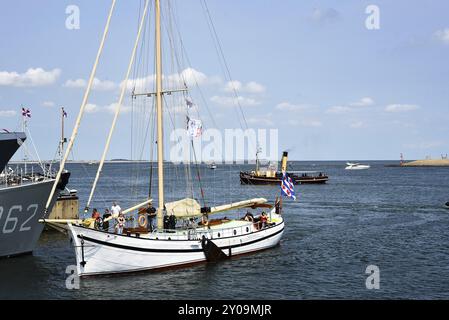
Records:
x=235, y=232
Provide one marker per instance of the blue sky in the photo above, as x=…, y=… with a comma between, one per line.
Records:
x=334, y=89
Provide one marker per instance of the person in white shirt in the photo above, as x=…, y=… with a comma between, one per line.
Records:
x=115, y=209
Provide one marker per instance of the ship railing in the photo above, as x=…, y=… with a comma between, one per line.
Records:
x=197, y=234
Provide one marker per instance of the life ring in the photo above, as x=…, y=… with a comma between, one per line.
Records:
x=142, y=221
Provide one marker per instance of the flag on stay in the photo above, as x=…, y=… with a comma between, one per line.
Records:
x=26, y=113
x=194, y=127
x=287, y=186
x=64, y=114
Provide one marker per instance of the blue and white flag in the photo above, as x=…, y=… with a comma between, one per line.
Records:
x=287, y=186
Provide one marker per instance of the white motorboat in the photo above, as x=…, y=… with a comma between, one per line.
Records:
x=212, y=166
x=357, y=166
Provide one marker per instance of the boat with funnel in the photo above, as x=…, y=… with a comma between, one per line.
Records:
x=269, y=175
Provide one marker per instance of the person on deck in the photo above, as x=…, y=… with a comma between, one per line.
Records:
x=263, y=220
x=120, y=223
x=106, y=215
x=249, y=217
x=115, y=209
x=95, y=214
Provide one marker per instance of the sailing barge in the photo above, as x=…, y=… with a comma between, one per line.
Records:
x=270, y=176
x=183, y=240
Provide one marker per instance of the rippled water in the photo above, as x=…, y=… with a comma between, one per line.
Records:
x=390, y=217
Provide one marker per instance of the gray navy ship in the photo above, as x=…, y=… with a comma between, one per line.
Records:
x=22, y=200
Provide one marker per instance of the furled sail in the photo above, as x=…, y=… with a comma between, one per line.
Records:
x=190, y=208
x=184, y=209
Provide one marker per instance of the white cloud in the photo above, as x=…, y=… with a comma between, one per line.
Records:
x=123, y=109
x=364, y=102
x=338, y=109
x=442, y=35
x=48, y=104
x=93, y=108
x=264, y=121
x=401, y=107
x=251, y=87
x=234, y=101
x=33, y=77
x=189, y=76
x=7, y=113
x=287, y=106
x=99, y=85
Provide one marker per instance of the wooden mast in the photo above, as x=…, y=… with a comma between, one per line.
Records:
x=160, y=138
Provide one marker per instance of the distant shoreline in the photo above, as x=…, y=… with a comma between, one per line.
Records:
x=92, y=162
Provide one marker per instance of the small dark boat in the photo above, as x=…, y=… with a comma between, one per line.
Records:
x=447, y=205
x=270, y=176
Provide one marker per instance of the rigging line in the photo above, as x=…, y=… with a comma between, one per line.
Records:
x=220, y=47
x=198, y=175
x=224, y=60
x=139, y=80
x=174, y=63
x=134, y=74
x=184, y=50
x=118, y=108
x=152, y=146
x=35, y=149
x=83, y=105
x=220, y=59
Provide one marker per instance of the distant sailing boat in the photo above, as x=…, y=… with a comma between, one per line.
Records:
x=103, y=252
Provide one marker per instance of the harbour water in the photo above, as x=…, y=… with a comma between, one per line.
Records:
x=389, y=217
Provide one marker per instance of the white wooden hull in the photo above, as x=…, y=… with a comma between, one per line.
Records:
x=99, y=252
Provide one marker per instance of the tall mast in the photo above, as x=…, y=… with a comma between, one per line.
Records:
x=160, y=138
